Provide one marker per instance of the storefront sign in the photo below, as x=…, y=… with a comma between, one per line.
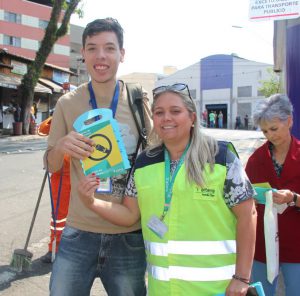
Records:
x=19, y=68
x=60, y=77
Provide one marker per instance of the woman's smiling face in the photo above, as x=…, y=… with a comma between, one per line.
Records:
x=171, y=119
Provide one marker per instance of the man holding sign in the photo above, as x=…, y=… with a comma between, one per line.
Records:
x=92, y=247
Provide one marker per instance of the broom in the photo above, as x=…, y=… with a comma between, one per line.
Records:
x=21, y=259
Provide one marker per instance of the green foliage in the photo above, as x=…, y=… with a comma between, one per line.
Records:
x=272, y=85
x=52, y=34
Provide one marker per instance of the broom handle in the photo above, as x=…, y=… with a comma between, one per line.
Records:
x=35, y=210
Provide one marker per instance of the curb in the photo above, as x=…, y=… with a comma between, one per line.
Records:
x=21, y=138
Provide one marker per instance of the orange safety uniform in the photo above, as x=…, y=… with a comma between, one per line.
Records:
x=43, y=130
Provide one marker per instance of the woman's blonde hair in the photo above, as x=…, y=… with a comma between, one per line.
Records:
x=202, y=150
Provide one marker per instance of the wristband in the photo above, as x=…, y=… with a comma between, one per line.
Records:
x=243, y=280
x=295, y=197
x=294, y=200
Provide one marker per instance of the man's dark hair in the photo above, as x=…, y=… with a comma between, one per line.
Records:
x=103, y=25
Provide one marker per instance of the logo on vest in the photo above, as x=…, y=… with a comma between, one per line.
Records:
x=205, y=194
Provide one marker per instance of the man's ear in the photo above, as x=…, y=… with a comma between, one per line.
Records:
x=122, y=55
x=82, y=53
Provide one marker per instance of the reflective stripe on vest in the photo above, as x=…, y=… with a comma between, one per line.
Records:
x=191, y=273
x=191, y=247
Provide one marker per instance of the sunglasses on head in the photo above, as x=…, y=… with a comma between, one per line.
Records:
x=177, y=87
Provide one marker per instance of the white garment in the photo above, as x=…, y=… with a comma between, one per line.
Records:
x=8, y=120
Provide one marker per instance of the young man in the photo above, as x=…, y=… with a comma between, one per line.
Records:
x=90, y=246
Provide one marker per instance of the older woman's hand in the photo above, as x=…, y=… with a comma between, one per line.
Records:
x=86, y=188
x=283, y=196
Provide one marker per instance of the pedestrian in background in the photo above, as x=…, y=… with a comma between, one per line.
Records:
x=212, y=118
x=238, y=122
x=17, y=112
x=246, y=121
x=204, y=117
x=92, y=247
x=204, y=184
x=278, y=163
x=220, y=119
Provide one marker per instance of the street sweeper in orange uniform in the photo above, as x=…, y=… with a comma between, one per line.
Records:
x=60, y=189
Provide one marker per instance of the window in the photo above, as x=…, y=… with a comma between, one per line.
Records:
x=12, y=17
x=43, y=24
x=244, y=91
x=13, y=41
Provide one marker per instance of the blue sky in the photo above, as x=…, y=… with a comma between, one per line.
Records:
x=179, y=33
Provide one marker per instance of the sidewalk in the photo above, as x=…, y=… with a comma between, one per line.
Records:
x=4, y=138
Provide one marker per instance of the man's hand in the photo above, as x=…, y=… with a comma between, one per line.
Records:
x=76, y=145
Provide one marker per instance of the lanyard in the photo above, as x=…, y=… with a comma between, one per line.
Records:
x=54, y=211
x=114, y=101
x=169, y=182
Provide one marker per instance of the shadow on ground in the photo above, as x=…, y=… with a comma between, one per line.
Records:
x=8, y=275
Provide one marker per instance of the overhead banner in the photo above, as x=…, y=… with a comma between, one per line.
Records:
x=273, y=9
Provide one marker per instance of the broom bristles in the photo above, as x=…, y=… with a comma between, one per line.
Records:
x=21, y=260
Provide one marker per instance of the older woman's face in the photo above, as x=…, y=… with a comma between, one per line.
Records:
x=277, y=131
x=171, y=119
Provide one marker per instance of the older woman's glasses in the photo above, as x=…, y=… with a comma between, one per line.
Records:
x=177, y=87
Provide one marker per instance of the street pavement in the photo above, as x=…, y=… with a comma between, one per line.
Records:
x=35, y=282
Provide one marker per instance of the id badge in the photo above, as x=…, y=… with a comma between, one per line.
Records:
x=105, y=186
x=157, y=226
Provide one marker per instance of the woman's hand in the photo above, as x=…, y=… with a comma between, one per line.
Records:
x=236, y=288
x=87, y=187
x=282, y=196
x=125, y=214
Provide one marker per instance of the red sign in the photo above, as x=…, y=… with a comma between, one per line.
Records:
x=66, y=85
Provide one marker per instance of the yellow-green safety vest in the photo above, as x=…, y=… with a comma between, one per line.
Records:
x=197, y=254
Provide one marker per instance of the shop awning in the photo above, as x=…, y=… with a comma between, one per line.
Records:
x=52, y=85
x=14, y=82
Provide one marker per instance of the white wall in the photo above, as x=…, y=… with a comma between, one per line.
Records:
x=189, y=76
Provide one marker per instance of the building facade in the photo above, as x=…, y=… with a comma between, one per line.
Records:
x=22, y=27
x=224, y=83
x=76, y=63
x=49, y=88
x=287, y=62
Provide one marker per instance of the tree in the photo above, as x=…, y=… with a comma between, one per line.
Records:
x=272, y=85
x=52, y=34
